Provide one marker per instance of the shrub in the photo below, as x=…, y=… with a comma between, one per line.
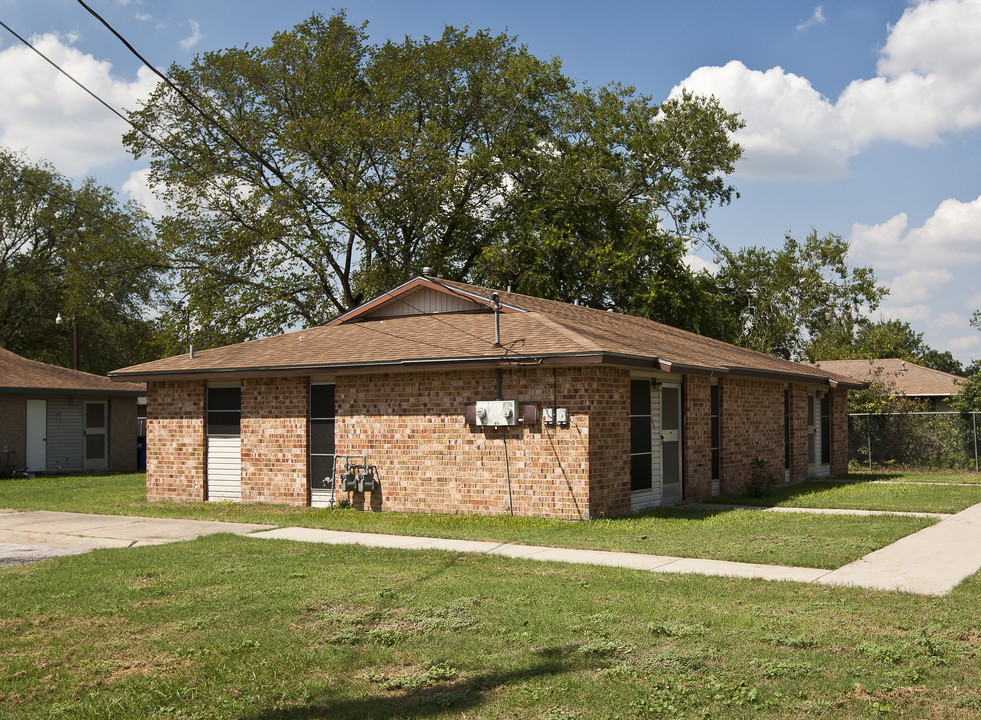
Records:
x=761, y=480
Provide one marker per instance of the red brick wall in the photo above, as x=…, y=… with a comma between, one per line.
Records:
x=752, y=426
x=13, y=430
x=798, y=433
x=605, y=394
x=122, y=432
x=839, y=431
x=412, y=427
x=697, y=437
x=430, y=460
x=274, y=440
x=175, y=456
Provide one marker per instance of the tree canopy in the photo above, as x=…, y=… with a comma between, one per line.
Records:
x=463, y=153
x=79, y=253
x=780, y=300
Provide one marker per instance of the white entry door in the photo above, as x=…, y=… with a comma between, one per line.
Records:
x=37, y=436
x=96, y=437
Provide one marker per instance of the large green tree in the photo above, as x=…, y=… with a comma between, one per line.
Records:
x=882, y=339
x=780, y=299
x=77, y=252
x=344, y=167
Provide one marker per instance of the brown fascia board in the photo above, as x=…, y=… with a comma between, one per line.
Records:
x=795, y=377
x=398, y=365
x=556, y=360
x=72, y=391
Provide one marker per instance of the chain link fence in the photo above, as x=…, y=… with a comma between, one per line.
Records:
x=914, y=441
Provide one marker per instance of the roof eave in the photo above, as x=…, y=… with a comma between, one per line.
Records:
x=71, y=391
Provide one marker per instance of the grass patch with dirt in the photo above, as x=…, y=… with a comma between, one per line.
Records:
x=738, y=535
x=232, y=627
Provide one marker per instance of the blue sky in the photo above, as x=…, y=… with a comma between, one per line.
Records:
x=863, y=117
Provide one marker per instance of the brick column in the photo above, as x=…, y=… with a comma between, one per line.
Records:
x=697, y=438
x=839, y=431
x=175, y=456
x=274, y=440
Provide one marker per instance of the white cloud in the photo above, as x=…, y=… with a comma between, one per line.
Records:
x=913, y=314
x=928, y=85
x=194, y=38
x=916, y=286
x=817, y=18
x=790, y=127
x=951, y=321
x=951, y=237
x=966, y=345
x=42, y=108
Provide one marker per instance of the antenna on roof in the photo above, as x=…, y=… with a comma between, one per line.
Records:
x=496, y=299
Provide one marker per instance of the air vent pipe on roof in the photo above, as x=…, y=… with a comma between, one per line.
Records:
x=496, y=299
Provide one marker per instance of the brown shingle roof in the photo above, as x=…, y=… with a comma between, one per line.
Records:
x=18, y=374
x=915, y=381
x=530, y=328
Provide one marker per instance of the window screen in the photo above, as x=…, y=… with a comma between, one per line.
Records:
x=716, y=432
x=225, y=411
x=321, y=435
x=641, y=462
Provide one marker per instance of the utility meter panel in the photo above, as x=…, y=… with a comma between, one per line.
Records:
x=497, y=413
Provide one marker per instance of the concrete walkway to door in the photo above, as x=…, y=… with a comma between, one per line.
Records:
x=931, y=562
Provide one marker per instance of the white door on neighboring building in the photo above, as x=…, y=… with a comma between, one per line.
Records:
x=96, y=445
x=37, y=436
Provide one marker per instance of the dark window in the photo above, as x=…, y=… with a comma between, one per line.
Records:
x=786, y=429
x=641, y=463
x=225, y=411
x=716, y=433
x=640, y=397
x=95, y=415
x=825, y=429
x=321, y=435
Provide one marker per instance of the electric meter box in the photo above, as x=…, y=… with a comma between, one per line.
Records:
x=497, y=413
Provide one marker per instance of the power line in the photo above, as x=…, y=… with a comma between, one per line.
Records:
x=218, y=125
x=228, y=133
x=52, y=63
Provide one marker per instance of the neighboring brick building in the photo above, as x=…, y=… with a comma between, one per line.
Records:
x=934, y=388
x=608, y=413
x=57, y=420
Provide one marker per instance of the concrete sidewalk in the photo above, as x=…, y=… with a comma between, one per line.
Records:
x=34, y=535
x=932, y=561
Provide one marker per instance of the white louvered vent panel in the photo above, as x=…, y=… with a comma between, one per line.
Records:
x=224, y=469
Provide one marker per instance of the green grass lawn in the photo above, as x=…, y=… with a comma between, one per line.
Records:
x=859, y=495
x=738, y=535
x=236, y=628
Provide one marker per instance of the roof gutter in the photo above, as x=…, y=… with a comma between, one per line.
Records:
x=496, y=361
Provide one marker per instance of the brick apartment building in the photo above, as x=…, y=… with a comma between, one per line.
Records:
x=444, y=397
